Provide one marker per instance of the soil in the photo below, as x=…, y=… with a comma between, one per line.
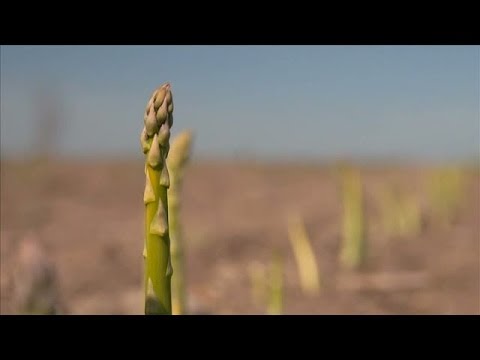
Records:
x=89, y=216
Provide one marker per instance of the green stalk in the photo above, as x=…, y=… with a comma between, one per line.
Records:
x=304, y=255
x=177, y=161
x=155, y=137
x=446, y=190
x=354, y=242
x=258, y=282
x=275, y=301
x=401, y=212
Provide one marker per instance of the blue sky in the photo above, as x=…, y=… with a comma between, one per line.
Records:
x=412, y=102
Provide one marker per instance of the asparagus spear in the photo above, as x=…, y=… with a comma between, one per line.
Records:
x=354, y=243
x=177, y=161
x=446, y=190
x=304, y=255
x=155, y=136
x=275, y=298
x=258, y=280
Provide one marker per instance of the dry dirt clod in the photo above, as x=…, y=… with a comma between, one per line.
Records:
x=34, y=279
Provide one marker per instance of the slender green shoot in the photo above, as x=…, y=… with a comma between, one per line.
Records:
x=275, y=298
x=354, y=243
x=177, y=162
x=158, y=120
x=304, y=255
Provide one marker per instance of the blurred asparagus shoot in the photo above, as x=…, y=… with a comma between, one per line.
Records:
x=304, y=255
x=354, y=243
x=155, y=136
x=275, y=285
x=258, y=280
x=177, y=161
x=401, y=213
x=446, y=189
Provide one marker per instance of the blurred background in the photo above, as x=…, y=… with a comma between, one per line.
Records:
x=321, y=179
